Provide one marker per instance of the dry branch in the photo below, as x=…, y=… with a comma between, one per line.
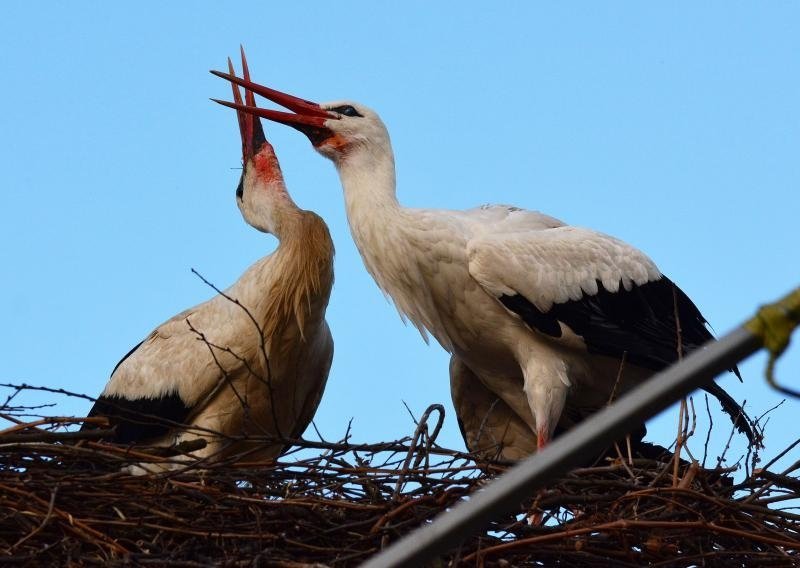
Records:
x=65, y=501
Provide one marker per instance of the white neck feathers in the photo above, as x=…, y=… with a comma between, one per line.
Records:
x=387, y=236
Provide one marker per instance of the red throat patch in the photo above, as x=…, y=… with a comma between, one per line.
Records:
x=266, y=164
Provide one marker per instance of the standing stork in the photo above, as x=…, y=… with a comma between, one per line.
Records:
x=254, y=359
x=553, y=319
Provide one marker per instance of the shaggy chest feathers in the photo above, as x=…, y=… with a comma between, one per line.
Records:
x=297, y=299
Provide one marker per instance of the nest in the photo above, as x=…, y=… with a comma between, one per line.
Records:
x=64, y=500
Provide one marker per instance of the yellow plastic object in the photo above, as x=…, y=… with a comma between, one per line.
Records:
x=773, y=325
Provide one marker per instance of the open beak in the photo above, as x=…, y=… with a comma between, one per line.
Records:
x=249, y=126
x=306, y=116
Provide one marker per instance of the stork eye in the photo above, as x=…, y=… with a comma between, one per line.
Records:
x=346, y=110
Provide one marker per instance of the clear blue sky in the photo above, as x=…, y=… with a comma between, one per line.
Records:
x=675, y=129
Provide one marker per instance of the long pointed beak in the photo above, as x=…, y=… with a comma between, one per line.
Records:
x=307, y=117
x=257, y=152
x=250, y=128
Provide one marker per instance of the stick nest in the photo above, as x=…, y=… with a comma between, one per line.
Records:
x=65, y=500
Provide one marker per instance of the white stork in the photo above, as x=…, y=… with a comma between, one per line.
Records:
x=250, y=361
x=551, y=318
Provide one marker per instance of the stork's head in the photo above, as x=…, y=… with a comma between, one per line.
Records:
x=340, y=130
x=261, y=192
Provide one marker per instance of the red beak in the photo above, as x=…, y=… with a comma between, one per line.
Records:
x=307, y=117
x=249, y=126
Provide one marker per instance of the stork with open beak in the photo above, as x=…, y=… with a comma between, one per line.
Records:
x=553, y=319
x=251, y=361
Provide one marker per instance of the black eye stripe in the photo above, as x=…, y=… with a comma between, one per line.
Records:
x=346, y=110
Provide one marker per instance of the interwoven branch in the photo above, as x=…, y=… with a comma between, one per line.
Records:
x=65, y=500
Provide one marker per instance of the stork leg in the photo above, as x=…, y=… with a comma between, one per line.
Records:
x=535, y=517
x=542, y=438
x=546, y=385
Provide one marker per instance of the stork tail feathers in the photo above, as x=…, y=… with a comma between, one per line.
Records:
x=738, y=416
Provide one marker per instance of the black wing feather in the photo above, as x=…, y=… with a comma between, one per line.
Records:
x=647, y=324
x=639, y=322
x=141, y=419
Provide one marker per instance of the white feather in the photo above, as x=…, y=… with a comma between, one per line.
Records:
x=555, y=265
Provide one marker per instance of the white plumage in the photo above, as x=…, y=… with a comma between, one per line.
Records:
x=540, y=313
x=252, y=361
x=555, y=266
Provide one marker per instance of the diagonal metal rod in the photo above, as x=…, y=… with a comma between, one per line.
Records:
x=506, y=492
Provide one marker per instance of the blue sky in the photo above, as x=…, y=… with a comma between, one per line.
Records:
x=675, y=129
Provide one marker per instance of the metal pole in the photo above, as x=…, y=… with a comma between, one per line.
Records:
x=506, y=492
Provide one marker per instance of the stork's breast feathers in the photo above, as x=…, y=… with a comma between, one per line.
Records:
x=553, y=266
